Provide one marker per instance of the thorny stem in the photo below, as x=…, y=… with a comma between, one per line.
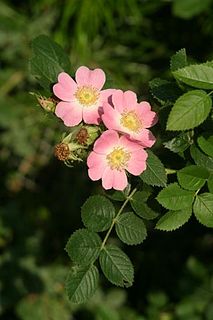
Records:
x=115, y=219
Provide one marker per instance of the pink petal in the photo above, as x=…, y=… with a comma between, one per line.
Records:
x=86, y=77
x=108, y=178
x=107, y=141
x=145, y=138
x=130, y=100
x=118, y=100
x=120, y=180
x=97, y=165
x=137, y=162
x=91, y=115
x=105, y=95
x=129, y=145
x=69, y=113
x=65, y=88
x=149, y=118
x=111, y=117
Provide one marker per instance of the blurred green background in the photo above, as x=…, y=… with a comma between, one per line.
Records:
x=40, y=198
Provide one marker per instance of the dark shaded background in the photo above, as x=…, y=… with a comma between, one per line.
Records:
x=40, y=198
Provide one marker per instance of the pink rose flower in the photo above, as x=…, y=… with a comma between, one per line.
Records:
x=81, y=99
x=112, y=156
x=129, y=117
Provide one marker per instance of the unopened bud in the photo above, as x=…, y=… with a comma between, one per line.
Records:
x=48, y=104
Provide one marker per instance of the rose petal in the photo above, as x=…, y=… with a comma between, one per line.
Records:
x=130, y=145
x=105, y=95
x=110, y=117
x=91, y=115
x=96, y=164
x=129, y=100
x=119, y=180
x=107, y=178
x=65, y=88
x=86, y=77
x=145, y=138
x=149, y=118
x=118, y=100
x=137, y=162
x=69, y=113
x=107, y=141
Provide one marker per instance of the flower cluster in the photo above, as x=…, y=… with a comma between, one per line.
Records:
x=123, y=134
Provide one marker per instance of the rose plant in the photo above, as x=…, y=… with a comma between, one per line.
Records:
x=109, y=130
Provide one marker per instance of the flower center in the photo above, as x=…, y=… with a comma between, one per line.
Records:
x=87, y=96
x=130, y=121
x=118, y=158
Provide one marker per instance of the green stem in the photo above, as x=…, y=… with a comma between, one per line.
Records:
x=116, y=217
x=210, y=93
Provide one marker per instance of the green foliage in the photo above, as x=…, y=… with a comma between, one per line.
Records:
x=48, y=60
x=201, y=159
x=116, y=266
x=198, y=76
x=175, y=198
x=139, y=205
x=192, y=177
x=203, y=209
x=97, y=213
x=178, y=60
x=83, y=246
x=179, y=143
x=155, y=174
x=189, y=111
x=210, y=183
x=130, y=229
x=206, y=145
x=173, y=220
x=164, y=91
x=81, y=283
x=188, y=8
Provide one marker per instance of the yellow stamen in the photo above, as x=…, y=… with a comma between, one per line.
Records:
x=130, y=121
x=87, y=96
x=118, y=158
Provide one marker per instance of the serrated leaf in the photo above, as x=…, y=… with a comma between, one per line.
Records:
x=138, y=203
x=155, y=174
x=189, y=111
x=178, y=60
x=179, y=143
x=173, y=220
x=116, y=266
x=203, y=209
x=48, y=60
x=130, y=229
x=205, y=145
x=210, y=183
x=83, y=247
x=175, y=198
x=201, y=159
x=189, y=8
x=82, y=283
x=192, y=177
x=164, y=91
x=97, y=213
x=199, y=76
x=116, y=195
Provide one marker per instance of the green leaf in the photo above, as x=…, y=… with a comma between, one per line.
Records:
x=199, y=76
x=203, y=209
x=48, y=60
x=187, y=9
x=175, y=198
x=179, y=143
x=205, y=145
x=192, y=177
x=82, y=283
x=97, y=213
x=201, y=159
x=83, y=247
x=210, y=183
x=140, y=207
x=178, y=60
x=116, y=195
x=116, y=266
x=189, y=111
x=173, y=220
x=130, y=229
x=155, y=174
x=164, y=91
